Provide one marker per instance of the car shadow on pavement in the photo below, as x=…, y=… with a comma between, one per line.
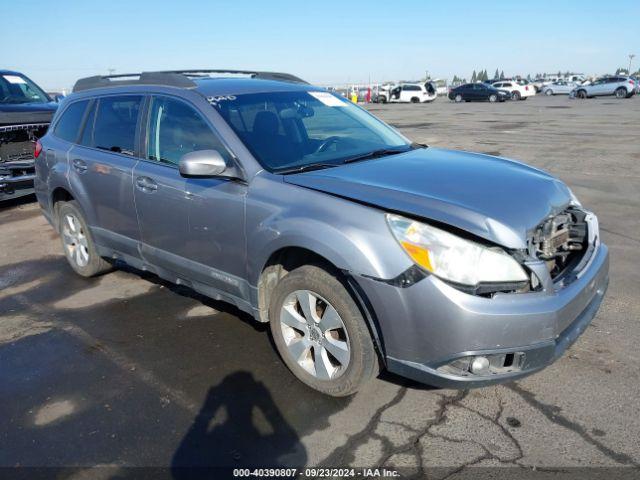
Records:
x=238, y=426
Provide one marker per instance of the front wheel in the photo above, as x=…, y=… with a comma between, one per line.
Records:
x=320, y=332
x=493, y=98
x=458, y=98
x=548, y=93
x=77, y=242
x=582, y=94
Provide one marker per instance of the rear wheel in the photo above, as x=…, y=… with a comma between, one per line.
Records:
x=320, y=333
x=458, y=98
x=548, y=92
x=493, y=98
x=78, y=243
x=582, y=94
x=515, y=95
x=415, y=100
x=621, y=93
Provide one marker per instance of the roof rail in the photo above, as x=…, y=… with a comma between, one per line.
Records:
x=283, y=77
x=172, y=78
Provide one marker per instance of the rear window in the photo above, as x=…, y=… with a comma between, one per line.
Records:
x=115, y=124
x=69, y=124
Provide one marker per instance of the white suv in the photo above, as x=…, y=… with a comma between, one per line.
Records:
x=517, y=91
x=408, y=93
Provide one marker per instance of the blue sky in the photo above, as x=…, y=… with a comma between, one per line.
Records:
x=323, y=41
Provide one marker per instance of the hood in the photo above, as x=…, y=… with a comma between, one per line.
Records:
x=494, y=198
x=21, y=113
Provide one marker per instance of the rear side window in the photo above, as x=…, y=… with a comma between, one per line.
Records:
x=115, y=124
x=69, y=124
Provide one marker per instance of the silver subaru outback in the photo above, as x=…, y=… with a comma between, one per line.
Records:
x=361, y=249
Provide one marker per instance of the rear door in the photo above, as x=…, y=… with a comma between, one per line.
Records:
x=101, y=169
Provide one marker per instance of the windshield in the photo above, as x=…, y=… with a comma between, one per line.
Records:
x=289, y=130
x=19, y=89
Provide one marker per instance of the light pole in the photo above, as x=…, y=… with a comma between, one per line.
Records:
x=631, y=57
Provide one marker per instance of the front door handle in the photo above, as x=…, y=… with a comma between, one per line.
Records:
x=79, y=165
x=146, y=184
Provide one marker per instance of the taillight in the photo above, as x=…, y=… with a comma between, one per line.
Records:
x=526, y=87
x=37, y=149
x=632, y=82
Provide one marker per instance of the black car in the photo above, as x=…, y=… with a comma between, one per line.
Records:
x=478, y=92
x=25, y=114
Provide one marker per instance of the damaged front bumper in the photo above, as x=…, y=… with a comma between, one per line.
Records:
x=443, y=337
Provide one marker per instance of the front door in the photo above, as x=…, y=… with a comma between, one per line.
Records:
x=193, y=227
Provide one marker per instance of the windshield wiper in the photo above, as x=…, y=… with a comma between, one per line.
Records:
x=381, y=152
x=306, y=168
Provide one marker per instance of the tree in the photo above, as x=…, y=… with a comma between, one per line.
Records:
x=502, y=74
x=497, y=74
x=473, y=77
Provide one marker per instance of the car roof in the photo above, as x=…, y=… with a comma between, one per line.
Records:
x=10, y=72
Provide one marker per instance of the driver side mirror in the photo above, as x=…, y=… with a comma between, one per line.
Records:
x=202, y=163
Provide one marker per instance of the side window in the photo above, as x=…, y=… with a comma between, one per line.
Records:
x=175, y=129
x=87, y=133
x=69, y=124
x=115, y=123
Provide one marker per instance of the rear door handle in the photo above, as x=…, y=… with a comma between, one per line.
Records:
x=79, y=165
x=146, y=184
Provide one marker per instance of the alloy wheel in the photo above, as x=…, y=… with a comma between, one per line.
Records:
x=315, y=335
x=75, y=240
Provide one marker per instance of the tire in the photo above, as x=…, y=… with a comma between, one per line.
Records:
x=305, y=346
x=493, y=98
x=515, y=95
x=383, y=100
x=621, y=92
x=581, y=94
x=415, y=100
x=458, y=98
x=77, y=242
x=548, y=92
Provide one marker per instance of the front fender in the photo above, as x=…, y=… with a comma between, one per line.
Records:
x=352, y=236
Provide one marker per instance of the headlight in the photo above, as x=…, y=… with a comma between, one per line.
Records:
x=453, y=258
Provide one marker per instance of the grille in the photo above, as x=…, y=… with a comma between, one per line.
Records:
x=560, y=241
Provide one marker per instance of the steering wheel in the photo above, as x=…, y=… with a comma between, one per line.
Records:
x=327, y=142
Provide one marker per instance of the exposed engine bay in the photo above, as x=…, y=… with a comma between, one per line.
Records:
x=560, y=241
